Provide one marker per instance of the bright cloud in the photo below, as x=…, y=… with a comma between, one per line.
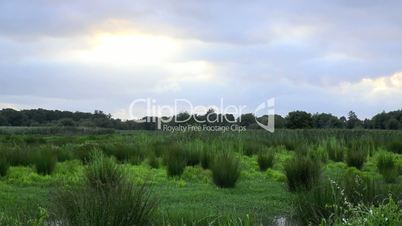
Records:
x=325, y=56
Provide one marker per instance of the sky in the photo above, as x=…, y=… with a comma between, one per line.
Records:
x=316, y=56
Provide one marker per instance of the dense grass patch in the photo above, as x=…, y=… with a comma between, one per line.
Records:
x=153, y=161
x=252, y=147
x=335, y=150
x=4, y=165
x=387, y=166
x=103, y=171
x=206, y=159
x=265, y=159
x=175, y=160
x=107, y=198
x=44, y=160
x=336, y=200
x=356, y=157
x=301, y=173
x=395, y=146
x=225, y=170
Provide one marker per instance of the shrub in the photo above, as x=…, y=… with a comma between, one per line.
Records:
x=4, y=165
x=265, y=159
x=356, y=157
x=225, y=170
x=396, y=147
x=103, y=171
x=387, y=167
x=302, y=173
x=175, y=160
x=44, y=160
x=107, y=198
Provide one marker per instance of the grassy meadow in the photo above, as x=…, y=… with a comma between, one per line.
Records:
x=293, y=177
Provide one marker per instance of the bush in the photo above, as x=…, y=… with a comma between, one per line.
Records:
x=4, y=165
x=265, y=159
x=107, y=198
x=387, y=167
x=44, y=160
x=396, y=147
x=302, y=173
x=356, y=157
x=225, y=170
x=175, y=161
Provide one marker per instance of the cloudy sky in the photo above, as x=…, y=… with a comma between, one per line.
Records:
x=317, y=56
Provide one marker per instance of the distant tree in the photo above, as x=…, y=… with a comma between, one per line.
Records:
x=353, y=121
x=392, y=124
x=299, y=120
x=14, y=117
x=183, y=117
x=3, y=121
x=246, y=119
x=280, y=122
x=66, y=122
x=325, y=120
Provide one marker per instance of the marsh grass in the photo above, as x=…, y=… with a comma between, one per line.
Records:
x=153, y=161
x=302, y=173
x=356, y=157
x=395, y=146
x=103, y=171
x=206, y=159
x=387, y=166
x=4, y=165
x=225, y=170
x=44, y=159
x=265, y=159
x=175, y=160
x=334, y=200
x=251, y=147
x=336, y=151
x=107, y=198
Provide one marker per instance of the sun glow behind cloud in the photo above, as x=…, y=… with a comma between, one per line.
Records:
x=128, y=49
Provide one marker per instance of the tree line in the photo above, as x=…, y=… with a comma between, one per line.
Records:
x=293, y=120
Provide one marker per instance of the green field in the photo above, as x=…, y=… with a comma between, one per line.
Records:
x=193, y=197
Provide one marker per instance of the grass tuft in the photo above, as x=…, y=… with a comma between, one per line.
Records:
x=225, y=170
